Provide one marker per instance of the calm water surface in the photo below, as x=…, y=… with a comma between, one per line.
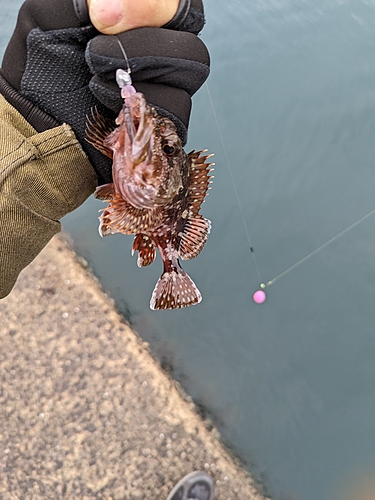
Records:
x=291, y=383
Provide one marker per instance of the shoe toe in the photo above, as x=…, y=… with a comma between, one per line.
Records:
x=194, y=486
x=201, y=490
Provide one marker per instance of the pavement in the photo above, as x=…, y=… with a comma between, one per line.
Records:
x=85, y=410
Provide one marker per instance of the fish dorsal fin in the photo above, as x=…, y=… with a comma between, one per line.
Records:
x=199, y=179
x=121, y=217
x=105, y=192
x=174, y=290
x=146, y=250
x=193, y=237
x=98, y=129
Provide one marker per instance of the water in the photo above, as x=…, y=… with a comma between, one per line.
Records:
x=290, y=383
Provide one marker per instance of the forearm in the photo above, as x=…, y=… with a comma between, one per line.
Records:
x=44, y=172
x=42, y=177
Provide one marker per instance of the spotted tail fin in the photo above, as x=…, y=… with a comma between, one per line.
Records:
x=175, y=289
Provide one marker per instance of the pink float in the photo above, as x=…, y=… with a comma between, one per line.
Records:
x=259, y=297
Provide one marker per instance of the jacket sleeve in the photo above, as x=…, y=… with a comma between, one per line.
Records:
x=43, y=176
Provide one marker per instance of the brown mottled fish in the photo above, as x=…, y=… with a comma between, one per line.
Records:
x=156, y=194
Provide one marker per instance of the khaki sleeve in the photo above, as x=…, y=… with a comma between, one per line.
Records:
x=43, y=176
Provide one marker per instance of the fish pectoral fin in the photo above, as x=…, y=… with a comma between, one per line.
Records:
x=105, y=192
x=121, y=217
x=193, y=237
x=174, y=290
x=146, y=250
x=98, y=129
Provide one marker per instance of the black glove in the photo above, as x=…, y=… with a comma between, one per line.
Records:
x=168, y=67
x=45, y=76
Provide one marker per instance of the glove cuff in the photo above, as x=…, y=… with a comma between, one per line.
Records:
x=82, y=13
x=38, y=119
x=189, y=17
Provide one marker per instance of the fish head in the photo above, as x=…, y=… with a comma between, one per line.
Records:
x=148, y=157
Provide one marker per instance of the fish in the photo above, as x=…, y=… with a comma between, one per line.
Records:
x=156, y=193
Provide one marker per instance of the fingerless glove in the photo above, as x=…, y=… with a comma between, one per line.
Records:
x=57, y=67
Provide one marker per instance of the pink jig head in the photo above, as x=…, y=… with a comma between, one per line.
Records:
x=124, y=81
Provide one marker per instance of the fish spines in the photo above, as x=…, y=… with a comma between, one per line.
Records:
x=97, y=130
x=199, y=179
x=193, y=237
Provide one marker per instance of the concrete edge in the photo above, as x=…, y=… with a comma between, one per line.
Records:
x=58, y=282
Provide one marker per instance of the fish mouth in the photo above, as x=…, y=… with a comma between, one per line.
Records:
x=140, y=125
x=142, y=188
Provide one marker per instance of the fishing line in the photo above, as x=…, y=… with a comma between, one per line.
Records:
x=233, y=183
x=291, y=268
x=260, y=296
x=124, y=54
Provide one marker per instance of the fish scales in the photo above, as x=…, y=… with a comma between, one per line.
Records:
x=156, y=194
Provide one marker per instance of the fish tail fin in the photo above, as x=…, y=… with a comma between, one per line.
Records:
x=175, y=289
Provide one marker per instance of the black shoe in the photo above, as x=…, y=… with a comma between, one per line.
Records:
x=195, y=486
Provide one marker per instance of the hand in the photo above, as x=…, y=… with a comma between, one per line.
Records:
x=45, y=75
x=46, y=78
x=112, y=17
x=115, y=16
x=167, y=66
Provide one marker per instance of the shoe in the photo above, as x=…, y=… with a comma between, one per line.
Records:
x=195, y=486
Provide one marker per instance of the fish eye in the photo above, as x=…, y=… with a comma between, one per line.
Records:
x=170, y=148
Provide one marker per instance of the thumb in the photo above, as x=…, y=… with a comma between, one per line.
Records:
x=115, y=16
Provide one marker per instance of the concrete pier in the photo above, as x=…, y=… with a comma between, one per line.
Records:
x=85, y=411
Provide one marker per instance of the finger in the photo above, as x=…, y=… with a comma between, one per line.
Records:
x=115, y=16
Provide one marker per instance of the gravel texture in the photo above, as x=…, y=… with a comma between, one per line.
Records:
x=85, y=410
